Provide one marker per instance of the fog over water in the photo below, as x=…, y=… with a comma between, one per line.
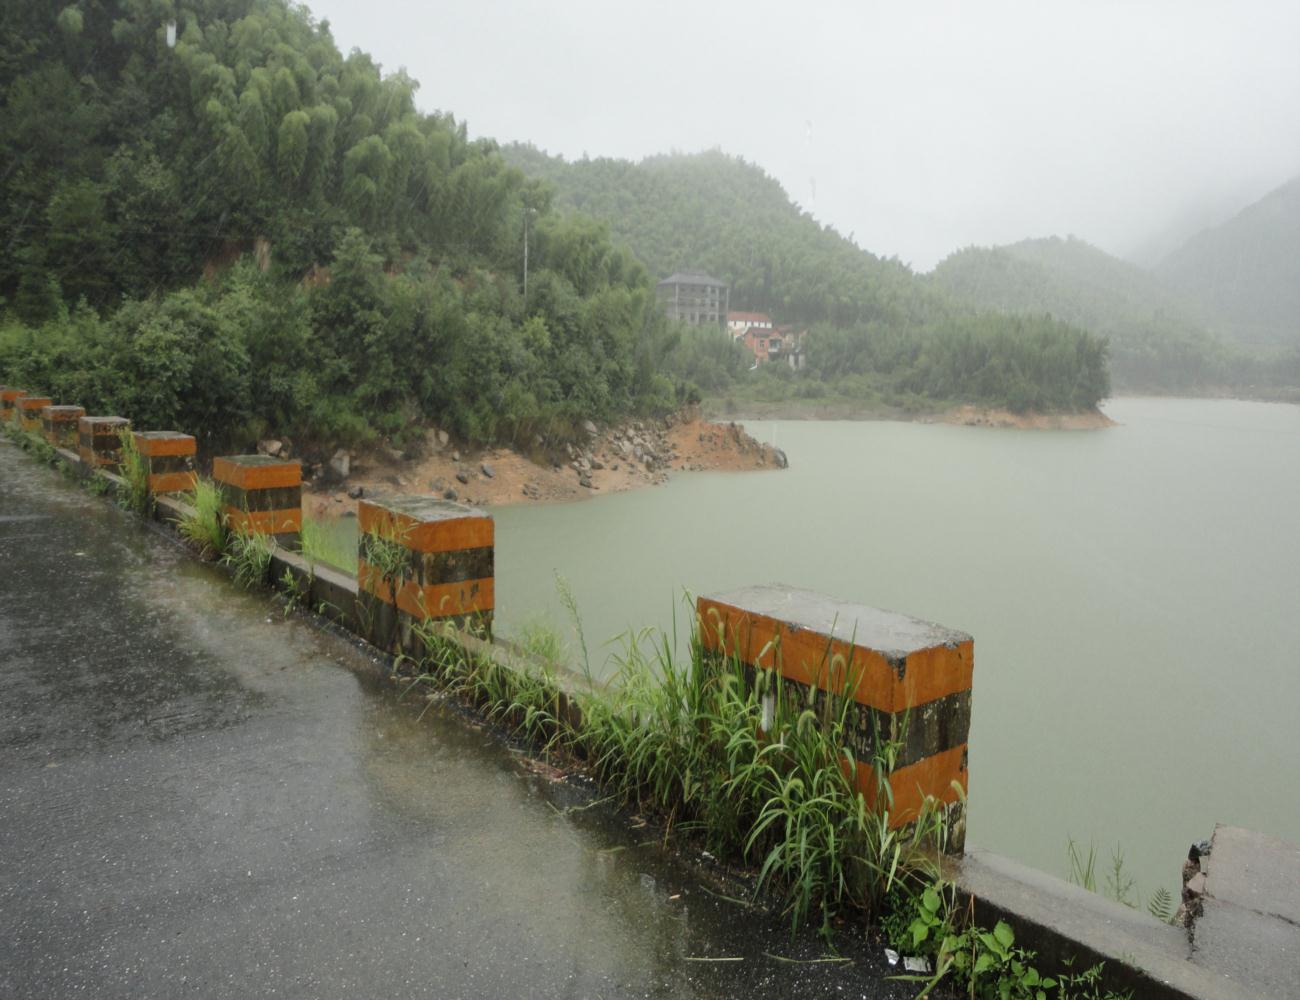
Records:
x=917, y=128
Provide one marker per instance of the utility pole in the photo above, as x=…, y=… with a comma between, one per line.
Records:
x=527, y=213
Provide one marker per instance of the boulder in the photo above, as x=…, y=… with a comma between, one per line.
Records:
x=486, y=470
x=270, y=446
x=778, y=456
x=443, y=439
x=449, y=494
x=341, y=464
x=462, y=477
x=356, y=492
x=591, y=429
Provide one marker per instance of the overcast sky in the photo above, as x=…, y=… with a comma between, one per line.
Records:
x=917, y=126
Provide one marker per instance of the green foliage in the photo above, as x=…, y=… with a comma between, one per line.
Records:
x=321, y=544
x=204, y=526
x=683, y=739
x=248, y=554
x=879, y=332
x=134, y=470
x=1160, y=338
x=1118, y=885
x=141, y=168
x=984, y=964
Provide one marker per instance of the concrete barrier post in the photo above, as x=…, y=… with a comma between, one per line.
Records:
x=423, y=559
x=60, y=425
x=262, y=495
x=9, y=397
x=99, y=442
x=29, y=412
x=908, y=680
x=169, y=460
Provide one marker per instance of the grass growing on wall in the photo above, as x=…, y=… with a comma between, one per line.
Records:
x=205, y=526
x=322, y=542
x=682, y=738
x=134, y=470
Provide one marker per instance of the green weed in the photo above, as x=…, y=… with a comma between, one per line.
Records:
x=134, y=470
x=319, y=544
x=249, y=553
x=205, y=526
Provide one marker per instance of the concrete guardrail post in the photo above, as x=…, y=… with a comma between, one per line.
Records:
x=60, y=425
x=99, y=442
x=9, y=397
x=29, y=412
x=262, y=495
x=422, y=559
x=910, y=681
x=169, y=460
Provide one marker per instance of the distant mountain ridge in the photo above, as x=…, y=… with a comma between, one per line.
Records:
x=1247, y=270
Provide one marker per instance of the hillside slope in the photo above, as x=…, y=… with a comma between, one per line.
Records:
x=1158, y=339
x=1247, y=270
x=718, y=213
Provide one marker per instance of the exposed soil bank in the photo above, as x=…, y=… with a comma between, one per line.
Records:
x=640, y=453
x=967, y=415
x=975, y=416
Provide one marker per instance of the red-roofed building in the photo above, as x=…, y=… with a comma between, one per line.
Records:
x=779, y=343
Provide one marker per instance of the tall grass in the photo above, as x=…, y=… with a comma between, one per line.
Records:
x=134, y=492
x=248, y=554
x=205, y=526
x=721, y=754
x=320, y=544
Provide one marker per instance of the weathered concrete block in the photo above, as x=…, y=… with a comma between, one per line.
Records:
x=261, y=494
x=169, y=459
x=99, y=441
x=908, y=681
x=9, y=397
x=29, y=411
x=59, y=423
x=423, y=559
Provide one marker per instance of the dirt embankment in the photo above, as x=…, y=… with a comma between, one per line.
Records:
x=640, y=453
x=975, y=416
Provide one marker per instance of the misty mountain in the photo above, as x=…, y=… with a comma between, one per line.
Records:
x=1158, y=339
x=718, y=213
x=1247, y=270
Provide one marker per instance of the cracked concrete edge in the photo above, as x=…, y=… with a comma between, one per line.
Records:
x=1064, y=923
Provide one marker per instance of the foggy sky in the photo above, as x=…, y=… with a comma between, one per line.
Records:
x=919, y=127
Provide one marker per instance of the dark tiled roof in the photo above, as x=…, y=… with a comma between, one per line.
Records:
x=692, y=278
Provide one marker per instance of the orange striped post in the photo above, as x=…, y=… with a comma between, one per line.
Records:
x=423, y=559
x=99, y=442
x=169, y=458
x=909, y=681
x=9, y=397
x=261, y=494
x=60, y=425
x=29, y=411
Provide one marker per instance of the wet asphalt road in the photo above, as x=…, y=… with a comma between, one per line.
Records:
x=200, y=797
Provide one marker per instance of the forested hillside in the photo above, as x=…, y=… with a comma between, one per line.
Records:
x=1247, y=271
x=1160, y=339
x=215, y=221
x=877, y=330
x=136, y=164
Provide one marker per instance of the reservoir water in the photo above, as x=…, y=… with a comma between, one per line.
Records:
x=1134, y=594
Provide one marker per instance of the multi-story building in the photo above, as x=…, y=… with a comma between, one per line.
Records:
x=694, y=297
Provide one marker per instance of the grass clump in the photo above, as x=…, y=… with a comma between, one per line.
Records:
x=723, y=755
x=204, y=526
x=248, y=554
x=320, y=544
x=134, y=470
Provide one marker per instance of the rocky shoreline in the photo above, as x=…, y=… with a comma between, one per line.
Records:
x=628, y=456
